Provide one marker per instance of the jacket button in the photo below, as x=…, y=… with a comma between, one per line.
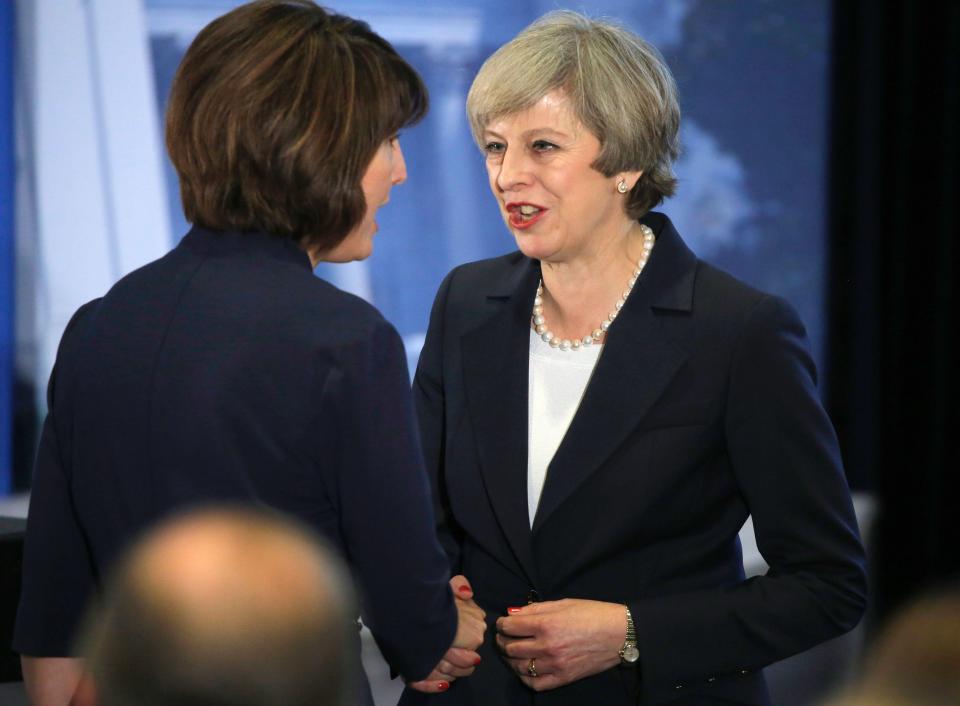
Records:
x=533, y=596
x=711, y=680
x=744, y=672
x=678, y=686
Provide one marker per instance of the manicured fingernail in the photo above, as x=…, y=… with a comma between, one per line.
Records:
x=464, y=589
x=513, y=610
x=443, y=685
x=477, y=661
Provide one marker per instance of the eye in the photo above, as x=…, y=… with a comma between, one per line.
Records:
x=494, y=147
x=543, y=146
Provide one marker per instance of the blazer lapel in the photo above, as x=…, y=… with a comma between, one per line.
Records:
x=495, y=369
x=636, y=365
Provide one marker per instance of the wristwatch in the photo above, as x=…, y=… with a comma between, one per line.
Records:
x=629, y=654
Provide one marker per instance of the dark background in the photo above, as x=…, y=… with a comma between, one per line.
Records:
x=892, y=292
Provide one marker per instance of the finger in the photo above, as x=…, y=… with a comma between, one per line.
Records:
x=430, y=686
x=467, y=606
x=543, y=682
x=446, y=669
x=538, y=608
x=462, y=658
x=520, y=649
x=461, y=587
x=519, y=625
x=522, y=666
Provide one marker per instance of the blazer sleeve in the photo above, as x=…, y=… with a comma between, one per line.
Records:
x=428, y=396
x=786, y=461
x=386, y=519
x=58, y=572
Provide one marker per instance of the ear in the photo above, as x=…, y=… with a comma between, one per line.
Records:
x=86, y=693
x=629, y=178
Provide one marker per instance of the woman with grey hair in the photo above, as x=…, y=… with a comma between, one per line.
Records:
x=601, y=411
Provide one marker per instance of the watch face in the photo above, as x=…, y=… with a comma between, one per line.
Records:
x=631, y=654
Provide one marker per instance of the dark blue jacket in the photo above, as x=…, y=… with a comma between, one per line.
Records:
x=226, y=371
x=702, y=410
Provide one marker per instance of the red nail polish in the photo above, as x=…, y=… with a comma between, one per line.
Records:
x=511, y=611
x=477, y=661
x=443, y=686
x=464, y=589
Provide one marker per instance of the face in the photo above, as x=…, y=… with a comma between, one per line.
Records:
x=556, y=205
x=386, y=170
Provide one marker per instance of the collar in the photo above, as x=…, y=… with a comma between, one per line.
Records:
x=667, y=281
x=231, y=242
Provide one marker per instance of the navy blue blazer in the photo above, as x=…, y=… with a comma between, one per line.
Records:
x=226, y=371
x=702, y=410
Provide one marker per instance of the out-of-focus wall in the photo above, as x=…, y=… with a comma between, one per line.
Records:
x=6, y=243
x=91, y=198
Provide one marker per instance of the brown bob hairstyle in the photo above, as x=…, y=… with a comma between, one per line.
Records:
x=276, y=111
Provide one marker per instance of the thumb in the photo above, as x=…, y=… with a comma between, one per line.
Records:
x=531, y=608
x=461, y=587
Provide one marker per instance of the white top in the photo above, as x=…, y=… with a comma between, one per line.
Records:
x=557, y=383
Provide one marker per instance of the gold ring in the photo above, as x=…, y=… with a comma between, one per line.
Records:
x=532, y=668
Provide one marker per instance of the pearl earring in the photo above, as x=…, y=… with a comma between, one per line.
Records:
x=622, y=186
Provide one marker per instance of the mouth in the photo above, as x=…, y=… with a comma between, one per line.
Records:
x=523, y=215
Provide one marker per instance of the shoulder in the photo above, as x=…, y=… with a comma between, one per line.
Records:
x=471, y=292
x=345, y=316
x=492, y=274
x=77, y=326
x=713, y=300
x=761, y=333
x=735, y=306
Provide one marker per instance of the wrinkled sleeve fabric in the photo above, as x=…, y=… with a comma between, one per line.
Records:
x=58, y=573
x=786, y=461
x=386, y=518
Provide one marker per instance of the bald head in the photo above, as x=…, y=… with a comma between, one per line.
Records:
x=915, y=660
x=223, y=608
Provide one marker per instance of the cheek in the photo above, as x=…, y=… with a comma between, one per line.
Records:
x=376, y=186
x=492, y=184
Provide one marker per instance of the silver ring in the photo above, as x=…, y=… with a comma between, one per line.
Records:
x=532, y=668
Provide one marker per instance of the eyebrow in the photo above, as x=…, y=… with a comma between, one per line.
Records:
x=530, y=133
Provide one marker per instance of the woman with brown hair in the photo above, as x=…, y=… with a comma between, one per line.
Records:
x=226, y=371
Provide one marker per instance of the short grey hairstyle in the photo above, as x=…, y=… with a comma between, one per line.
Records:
x=618, y=84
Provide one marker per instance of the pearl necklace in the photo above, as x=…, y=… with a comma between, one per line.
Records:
x=566, y=344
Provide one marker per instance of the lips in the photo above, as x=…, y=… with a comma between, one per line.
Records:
x=522, y=214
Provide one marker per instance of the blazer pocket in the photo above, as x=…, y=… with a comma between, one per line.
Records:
x=684, y=413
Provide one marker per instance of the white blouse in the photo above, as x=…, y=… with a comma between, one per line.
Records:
x=558, y=380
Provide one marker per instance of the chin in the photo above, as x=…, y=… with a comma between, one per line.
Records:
x=361, y=254
x=536, y=248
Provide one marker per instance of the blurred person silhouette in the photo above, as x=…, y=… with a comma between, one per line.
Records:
x=915, y=659
x=222, y=607
x=227, y=371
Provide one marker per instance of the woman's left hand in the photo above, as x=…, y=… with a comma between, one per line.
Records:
x=567, y=640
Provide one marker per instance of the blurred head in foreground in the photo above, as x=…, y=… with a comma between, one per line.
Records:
x=221, y=607
x=916, y=659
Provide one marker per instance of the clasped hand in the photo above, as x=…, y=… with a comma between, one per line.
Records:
x=461, y=659
x=569, y=639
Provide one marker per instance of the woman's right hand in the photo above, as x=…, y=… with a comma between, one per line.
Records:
x=471, y=623
x=461, y=659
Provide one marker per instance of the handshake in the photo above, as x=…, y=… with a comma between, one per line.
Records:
x=461, y=659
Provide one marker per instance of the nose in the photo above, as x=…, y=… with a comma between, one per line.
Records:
x=399, y=173
x=512, y=171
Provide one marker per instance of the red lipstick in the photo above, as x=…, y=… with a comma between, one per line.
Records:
x=516, y=217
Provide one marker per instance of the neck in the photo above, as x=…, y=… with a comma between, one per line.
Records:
x=579, y=293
